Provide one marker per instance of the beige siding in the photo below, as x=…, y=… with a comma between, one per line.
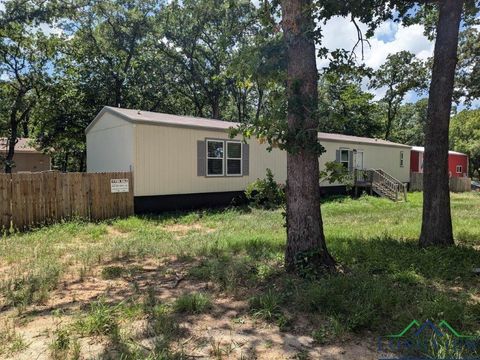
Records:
x=166, y=162
x=382, y=157
x=110, y=145
x=164, y=158
x=30, y=162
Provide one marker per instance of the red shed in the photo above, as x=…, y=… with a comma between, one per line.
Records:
x=457, y=162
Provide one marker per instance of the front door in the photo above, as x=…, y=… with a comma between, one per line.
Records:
x=359, y=160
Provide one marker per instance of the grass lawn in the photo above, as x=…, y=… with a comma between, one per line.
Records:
x=164, y=287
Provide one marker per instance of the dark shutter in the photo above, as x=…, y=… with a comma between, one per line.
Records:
x=350, y=160
x=337, y=156
x=201, y=158
x=246, y=159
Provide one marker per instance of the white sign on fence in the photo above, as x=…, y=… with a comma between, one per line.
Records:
x=119, y=185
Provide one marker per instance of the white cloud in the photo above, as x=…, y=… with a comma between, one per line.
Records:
x=389, y=38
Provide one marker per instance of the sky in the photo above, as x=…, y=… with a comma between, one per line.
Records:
x=389, y=38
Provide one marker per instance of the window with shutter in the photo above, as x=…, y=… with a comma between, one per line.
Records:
x=234, y=158
x=345, y=157
x=215, y=157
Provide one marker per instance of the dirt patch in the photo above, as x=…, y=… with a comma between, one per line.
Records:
x=184, y=229
x=227, y=331
x=114, y=232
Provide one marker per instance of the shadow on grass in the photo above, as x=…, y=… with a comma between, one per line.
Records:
x=388, y=283
x=199, y=213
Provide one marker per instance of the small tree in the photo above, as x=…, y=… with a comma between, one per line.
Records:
x=24, y=55
x=401, y=73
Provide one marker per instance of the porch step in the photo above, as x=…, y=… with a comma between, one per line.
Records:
x=382, y=184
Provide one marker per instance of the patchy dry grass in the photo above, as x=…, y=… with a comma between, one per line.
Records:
x=163, y=286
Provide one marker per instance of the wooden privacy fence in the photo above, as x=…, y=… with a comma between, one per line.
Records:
x=457, y=184
x=32, y=199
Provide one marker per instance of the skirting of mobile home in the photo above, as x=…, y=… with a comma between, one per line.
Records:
x=181, y=162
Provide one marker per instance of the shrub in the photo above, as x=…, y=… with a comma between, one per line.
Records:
x=266, y=193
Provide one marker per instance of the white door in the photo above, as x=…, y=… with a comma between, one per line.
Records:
x=359, y=160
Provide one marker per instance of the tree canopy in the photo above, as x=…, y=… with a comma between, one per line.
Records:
x=223, y=59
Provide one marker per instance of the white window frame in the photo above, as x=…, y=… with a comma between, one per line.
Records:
x=348, y=157
x=461, y=169
x=402, y=159
x=209, y=157
x=227, y=158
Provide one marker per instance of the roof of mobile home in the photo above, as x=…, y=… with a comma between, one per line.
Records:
x=422, y=149
x=23, y=145
x=154, y=118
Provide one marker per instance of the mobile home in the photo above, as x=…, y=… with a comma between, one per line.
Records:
x=457, y=162
x=26, y=158
x=181, y=161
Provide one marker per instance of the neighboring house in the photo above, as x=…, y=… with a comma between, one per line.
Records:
x=457, y=162
x=181, y=161
x=26, y=158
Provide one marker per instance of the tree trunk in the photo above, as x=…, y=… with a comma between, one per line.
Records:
x=437, y=219
x=12, y=139
x=305, y=237
x=389, y=120
x=215, y=103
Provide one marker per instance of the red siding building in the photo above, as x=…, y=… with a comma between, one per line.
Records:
x=457, y=162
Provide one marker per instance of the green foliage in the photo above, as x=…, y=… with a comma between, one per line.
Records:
x=336, y=172
x=468, y=67
x=411, y=121
x=100, y=319
x=401, y=73
x=266, y=193
x=267, y=305
x=10, y=341
x=345, y=108
x=33, y=287
x=192, y=303
x=465, y=136
x=374, y=240
x=112, y=272
x=64, y=345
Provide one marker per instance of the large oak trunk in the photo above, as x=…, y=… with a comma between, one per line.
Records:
x=305, y=235
x=437, y=219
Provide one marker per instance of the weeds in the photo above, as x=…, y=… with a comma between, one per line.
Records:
x=112, y=272
x=99, y=320
x=193, y=303
x=389, y=281
x=10, y=341
x=34, y=287
x=64, y=345
x=266, y=306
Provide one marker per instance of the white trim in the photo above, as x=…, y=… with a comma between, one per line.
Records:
x=461, y=169
x=214, y=158
x=402, y=159
x=227, y=158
